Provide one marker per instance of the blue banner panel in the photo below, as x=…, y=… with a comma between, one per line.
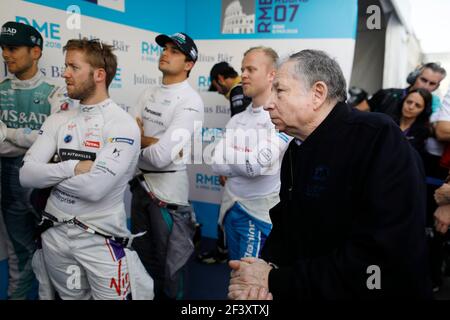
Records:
x=272, y=19
x=207, y=215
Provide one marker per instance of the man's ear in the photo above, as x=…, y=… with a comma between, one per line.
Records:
x=188, y=65
x=220, y=79
x=100, y=75
x=320, y=93
x=272, y=75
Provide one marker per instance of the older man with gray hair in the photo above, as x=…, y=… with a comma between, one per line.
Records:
x=351, y=220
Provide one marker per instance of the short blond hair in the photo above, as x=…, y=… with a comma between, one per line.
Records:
x=269, y=52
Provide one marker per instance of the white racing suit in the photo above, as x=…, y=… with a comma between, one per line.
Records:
x=170, y=113
x=84, y=251
x=250, y=155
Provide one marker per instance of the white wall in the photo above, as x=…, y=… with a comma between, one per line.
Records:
x=402, y=54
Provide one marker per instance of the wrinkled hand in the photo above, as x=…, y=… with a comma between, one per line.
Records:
x=442, y=218
x=83, y=167
x=249, y=277
x=442, y=194
x=222, y=180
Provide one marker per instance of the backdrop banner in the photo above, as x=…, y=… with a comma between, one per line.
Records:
x=223, y=31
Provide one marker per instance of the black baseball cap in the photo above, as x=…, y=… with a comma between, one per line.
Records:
x=218, y=68
x=20, y=34
x=182, y=41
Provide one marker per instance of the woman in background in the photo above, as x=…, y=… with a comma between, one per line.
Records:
x=412, y=116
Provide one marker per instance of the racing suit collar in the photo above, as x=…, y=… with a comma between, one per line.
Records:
x=173, y=86
x=32, y=83
x=256, y=109
x=95, y=108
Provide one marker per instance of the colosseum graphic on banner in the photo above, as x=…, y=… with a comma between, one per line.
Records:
x=261, y=17
x=238, y=16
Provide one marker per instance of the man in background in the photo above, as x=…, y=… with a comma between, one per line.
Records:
x=427, y=76
x=225, y=81
x=160, y=204
x=26, y=99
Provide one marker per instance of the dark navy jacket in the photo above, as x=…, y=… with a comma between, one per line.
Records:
x=238, y=101
x=352, y=200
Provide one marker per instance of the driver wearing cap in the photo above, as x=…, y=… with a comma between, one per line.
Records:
x=168, y=115
x=26, y=99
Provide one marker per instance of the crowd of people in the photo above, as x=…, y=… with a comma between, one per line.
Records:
x=425, y=123
x=325, y=196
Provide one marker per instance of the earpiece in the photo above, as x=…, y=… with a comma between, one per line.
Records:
x=413, y=75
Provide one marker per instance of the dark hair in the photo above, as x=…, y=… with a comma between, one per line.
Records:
x=98, y=55
x=424, y=116
x=228, y=72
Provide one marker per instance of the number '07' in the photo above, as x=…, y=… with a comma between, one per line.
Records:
x=281, y=12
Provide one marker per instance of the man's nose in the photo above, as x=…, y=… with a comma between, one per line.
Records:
x=5, y=53
x=270, y=105
x=164, y=53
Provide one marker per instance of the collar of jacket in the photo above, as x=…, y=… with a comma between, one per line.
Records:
x=327, y=129
x=236, y=81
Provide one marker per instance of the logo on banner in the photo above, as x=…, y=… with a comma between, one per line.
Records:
x=238, y=16
x=117, y=80
x=207, y=182
x=273, y=17
x=120, y=45
x=203, y=83
x=53, y=71
x=146, y=80
x=260, y=16
x=50, y=31
x=150, y=51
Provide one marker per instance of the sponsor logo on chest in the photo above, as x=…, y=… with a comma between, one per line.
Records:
x=155, y=113
x=92, y=144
